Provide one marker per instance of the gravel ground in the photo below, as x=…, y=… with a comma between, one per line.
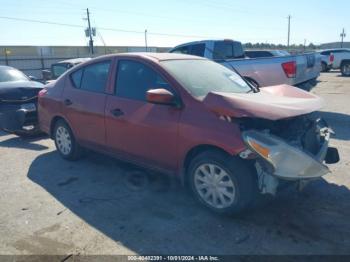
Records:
x=51, y=206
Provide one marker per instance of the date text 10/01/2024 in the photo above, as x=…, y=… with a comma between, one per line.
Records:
x=173, y=258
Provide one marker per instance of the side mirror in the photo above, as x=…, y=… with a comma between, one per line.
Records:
x=160, y=96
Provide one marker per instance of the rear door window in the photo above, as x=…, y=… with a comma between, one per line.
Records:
x=92, y=77
x=134, y=79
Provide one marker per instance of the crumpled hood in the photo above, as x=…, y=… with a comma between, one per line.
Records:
x=273, y=103
x=19, y=90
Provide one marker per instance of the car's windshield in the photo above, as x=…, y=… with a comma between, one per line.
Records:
x=9, y=74
x=200, y=77
x=59, y=69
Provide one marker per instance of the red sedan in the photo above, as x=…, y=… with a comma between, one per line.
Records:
x=190, y=117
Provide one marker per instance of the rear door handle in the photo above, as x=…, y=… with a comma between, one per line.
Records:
x=67, y=102
x=117, y=112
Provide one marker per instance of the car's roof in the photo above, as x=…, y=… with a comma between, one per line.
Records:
x=75, y=60
x=157, y=57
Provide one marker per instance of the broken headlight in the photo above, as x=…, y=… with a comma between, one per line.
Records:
x=287, y=162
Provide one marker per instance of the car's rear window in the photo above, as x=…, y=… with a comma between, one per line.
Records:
x=227, y=50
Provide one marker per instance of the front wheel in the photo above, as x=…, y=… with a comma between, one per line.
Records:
x=345, y=69
x=222, y=183
x=65, y=141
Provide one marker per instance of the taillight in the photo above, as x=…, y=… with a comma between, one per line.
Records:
x=290, y=69
x=42, y=92
x=331, y=58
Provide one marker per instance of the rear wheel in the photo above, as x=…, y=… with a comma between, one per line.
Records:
x=222, y=183
x=345, y=68
x=324, y=67
x=65, y=141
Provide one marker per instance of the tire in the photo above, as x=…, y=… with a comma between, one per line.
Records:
x=65, y=141
x=323, y=67
x=238, y=181
x=345, y=68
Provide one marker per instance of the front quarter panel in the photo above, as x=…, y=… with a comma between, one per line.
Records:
x=199, y=126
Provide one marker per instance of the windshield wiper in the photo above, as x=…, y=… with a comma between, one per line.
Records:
x=254, y=89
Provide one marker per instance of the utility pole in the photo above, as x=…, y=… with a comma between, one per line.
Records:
x=289, y=17
x=146, y=40
x=342, y=35
x=91, y=42
x=304, y=45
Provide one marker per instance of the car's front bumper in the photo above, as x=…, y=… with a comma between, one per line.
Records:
x=286, y=162
x=18, y=117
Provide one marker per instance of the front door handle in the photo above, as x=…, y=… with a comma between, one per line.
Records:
x=67, y=102
x=117, y=112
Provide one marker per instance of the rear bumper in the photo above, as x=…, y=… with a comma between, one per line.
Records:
x=301, y=81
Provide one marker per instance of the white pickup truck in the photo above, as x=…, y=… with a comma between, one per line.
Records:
x=341, y=59
x=292, y=70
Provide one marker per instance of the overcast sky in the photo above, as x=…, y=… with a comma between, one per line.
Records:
x=171, y=22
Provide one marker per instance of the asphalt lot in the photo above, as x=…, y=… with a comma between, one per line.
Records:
x=51, y=206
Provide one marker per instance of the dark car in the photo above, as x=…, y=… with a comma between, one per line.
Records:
x=18, y=102
x=190, y=117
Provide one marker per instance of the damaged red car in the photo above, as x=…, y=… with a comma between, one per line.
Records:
x=192, y=118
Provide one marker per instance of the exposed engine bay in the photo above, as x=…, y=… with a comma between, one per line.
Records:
x=302, y=131
x=291, y=149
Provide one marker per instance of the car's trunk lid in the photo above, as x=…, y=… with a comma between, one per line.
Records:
x=308, y=67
